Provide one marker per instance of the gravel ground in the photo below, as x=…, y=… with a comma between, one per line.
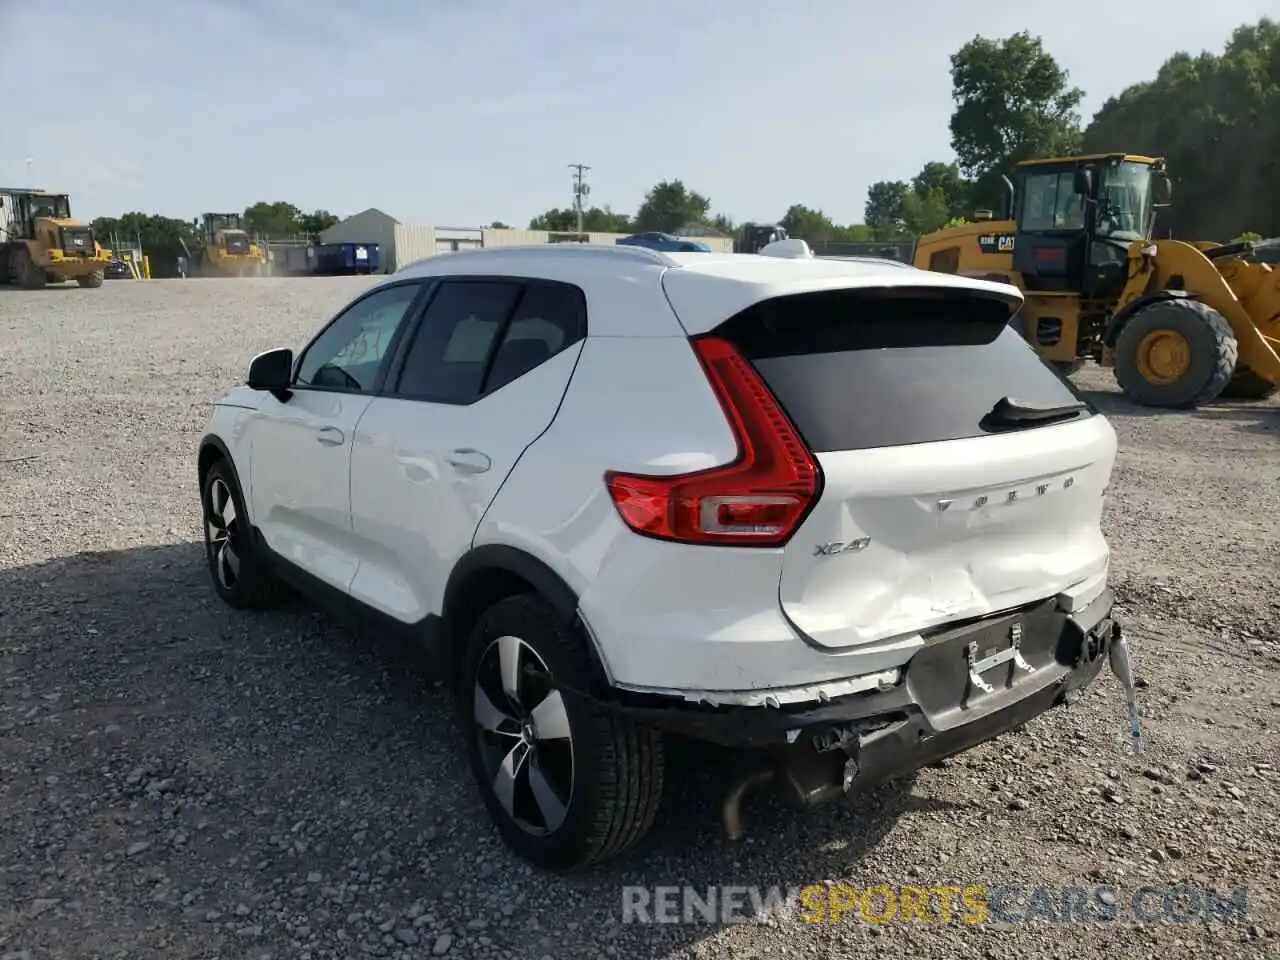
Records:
x=181, y=780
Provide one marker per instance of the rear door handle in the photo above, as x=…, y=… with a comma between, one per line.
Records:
x=466, y=460
x=331, y=436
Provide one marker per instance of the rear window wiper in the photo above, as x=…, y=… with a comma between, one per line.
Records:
x=1010, y=413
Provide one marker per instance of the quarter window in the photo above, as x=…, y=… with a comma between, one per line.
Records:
x=351, y=352
x=547, y=321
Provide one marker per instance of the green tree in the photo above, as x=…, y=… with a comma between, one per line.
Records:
x=315, y=222
x=807, y=224
x=884, y=212
x=594, y=220
x=945, y=178
x=669, y=206
x=723, y=223
x=855, y=233
x=1216, y=119
x=1013, y=102
x=925, y=211
x=278, y=219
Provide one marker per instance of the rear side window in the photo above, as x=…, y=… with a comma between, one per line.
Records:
x=857, y=369
x=446, y=361
x=479, y=335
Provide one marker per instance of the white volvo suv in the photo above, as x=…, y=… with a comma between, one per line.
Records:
x=834, y=512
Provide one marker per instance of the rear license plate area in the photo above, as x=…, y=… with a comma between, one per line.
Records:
x=942, y=676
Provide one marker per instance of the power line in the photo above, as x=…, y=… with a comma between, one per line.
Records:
x=580, y=189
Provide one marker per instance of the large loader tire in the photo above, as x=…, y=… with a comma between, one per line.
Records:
x=1247, y=385
x=1176, y=354
x=92, y=279
x=28, y=274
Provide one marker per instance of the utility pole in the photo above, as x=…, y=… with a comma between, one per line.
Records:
x=580, y=189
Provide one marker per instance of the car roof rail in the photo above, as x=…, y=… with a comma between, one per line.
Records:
x=537, y=251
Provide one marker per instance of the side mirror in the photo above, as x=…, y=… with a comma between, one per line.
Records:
x=1083, y=182
x=272, y=371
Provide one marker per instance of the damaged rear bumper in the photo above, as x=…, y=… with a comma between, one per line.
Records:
x=968, y=684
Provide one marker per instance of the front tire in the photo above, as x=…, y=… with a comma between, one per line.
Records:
x=567, y=784
x=91, y=280
x=241, y=576
x=1176, y=354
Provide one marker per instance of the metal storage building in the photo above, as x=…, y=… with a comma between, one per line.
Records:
x=398, y=243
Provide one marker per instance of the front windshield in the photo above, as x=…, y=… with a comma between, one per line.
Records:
x=58, y=207
x=1124, y=201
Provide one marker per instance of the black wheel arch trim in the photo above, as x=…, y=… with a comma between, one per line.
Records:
x=212, y=440
x=500, y=556
x=1122, y=316
x=549, y=585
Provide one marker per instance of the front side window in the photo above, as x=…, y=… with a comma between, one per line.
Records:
x=351, y=352
x=1051, y=203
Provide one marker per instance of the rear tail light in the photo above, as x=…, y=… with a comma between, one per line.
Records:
x=758, y=500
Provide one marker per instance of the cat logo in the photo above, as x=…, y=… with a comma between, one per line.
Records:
x=996, y=243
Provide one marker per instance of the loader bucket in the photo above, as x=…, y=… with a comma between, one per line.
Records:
x=1246, y=294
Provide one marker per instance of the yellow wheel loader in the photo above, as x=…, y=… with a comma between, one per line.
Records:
x=1181, y=323
x=227, y=250
x=40, y=243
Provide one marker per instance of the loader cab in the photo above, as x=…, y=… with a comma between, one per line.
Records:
x=756, y=235
x=31, y=207
x=1077, y=216
x=223, y=230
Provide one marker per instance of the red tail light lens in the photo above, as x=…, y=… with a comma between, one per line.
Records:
x=758, y=500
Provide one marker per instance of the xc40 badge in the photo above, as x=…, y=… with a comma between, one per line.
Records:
x=834, y=547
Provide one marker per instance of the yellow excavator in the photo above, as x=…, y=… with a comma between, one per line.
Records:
x=41, y=243
x=1180, y=322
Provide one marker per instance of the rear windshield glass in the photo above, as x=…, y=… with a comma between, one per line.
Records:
x=857, y=369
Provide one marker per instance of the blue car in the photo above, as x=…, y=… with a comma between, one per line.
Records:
x=666, y=242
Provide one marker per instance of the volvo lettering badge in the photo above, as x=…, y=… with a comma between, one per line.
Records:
x=1010, y=496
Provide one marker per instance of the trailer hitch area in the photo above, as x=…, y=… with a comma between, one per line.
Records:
x=1122, y=666
x=807, y=777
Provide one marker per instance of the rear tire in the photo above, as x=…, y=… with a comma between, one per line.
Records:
x=1247, y=385
x=1198, y=333
x=240, y=575
x=92, y=280
x=567, y=784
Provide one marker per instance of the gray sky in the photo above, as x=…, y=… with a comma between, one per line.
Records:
x=463, y=113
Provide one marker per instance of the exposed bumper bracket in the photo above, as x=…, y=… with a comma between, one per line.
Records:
x=1012, y=652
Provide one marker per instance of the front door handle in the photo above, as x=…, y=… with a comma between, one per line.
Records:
x=466, y=460
x=331, y=436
